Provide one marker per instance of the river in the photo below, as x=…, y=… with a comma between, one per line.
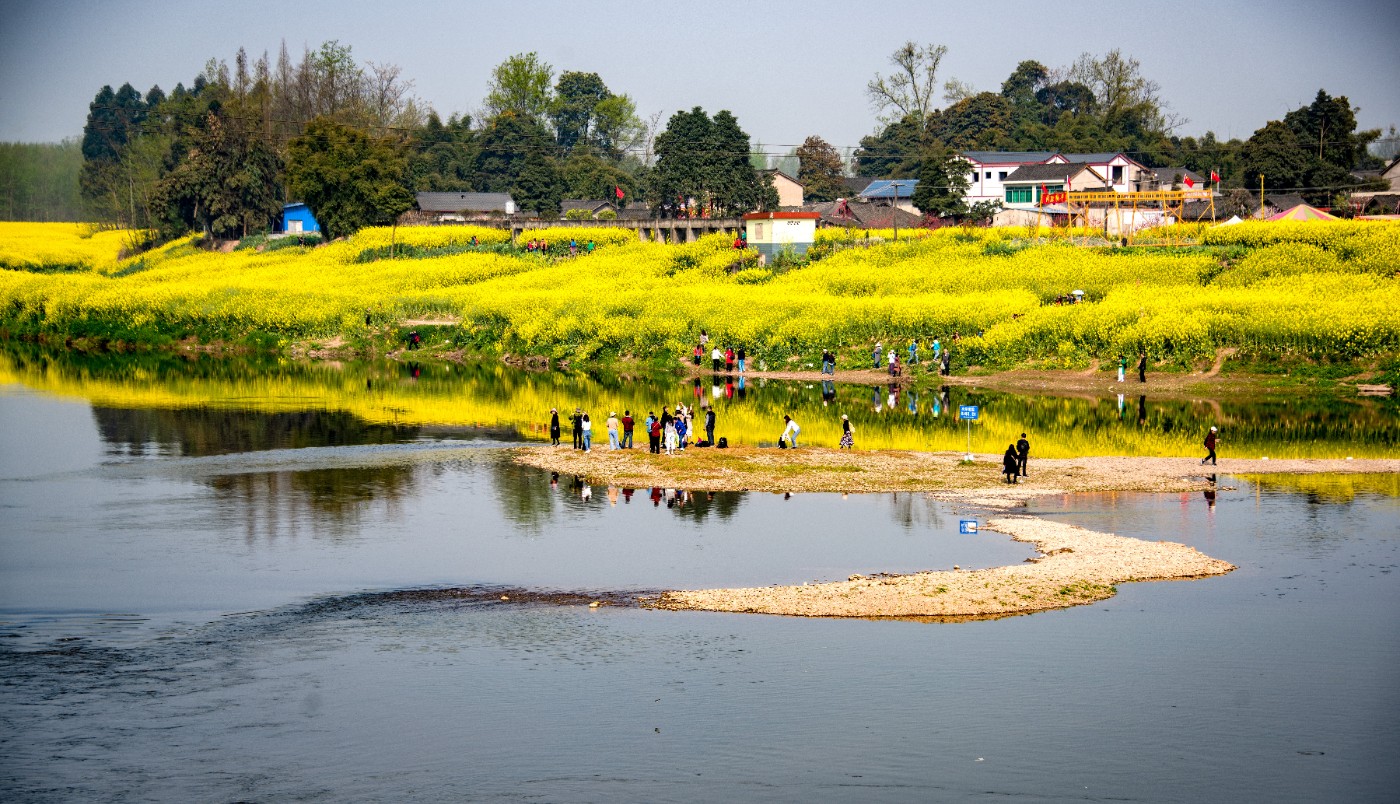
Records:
x=225, y=581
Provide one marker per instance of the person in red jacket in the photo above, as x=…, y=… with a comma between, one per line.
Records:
x=628, y=423
x=1210, y=448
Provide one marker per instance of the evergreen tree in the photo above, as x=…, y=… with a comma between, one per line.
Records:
x=819, y=170
x=943, y=185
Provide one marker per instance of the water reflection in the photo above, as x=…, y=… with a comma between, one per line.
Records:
x=377, y=402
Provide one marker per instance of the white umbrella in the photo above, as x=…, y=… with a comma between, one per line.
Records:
x=1078, y=292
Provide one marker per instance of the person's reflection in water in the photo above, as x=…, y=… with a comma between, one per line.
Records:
x=655, y=497
x=742, y=391
x=587, y=493
x=1210, y=494
x=612, y=496
x=913, y=402
x=627, y=496
x=875, y=399
x=947, y=397
x=828, y=391
x=1120, y=407
x=1142, y=410
x=414, y=370
x=554, y=480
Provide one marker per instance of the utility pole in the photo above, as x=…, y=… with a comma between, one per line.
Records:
x=894, y=213
x=1261, y=195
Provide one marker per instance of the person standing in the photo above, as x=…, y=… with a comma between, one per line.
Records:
x=914, y=352
x=1210, y=448
x=699, y=354
x=741, y=356
x=670, y=436
x=947, y=362
x=1122, y=367
x=1023, y=452
x=1009, y=464
x=716, y=359
x=554, y=427
x=628, y=423
x=879, y=348
x=682, y=429
x=654, y=434
x=1142, y=367
x=729, y=359
x=790, y=432
x=612, y=424
x=848, y=433
x=577, y=421
x=587, y=434
x=937, y=347
x=704, y=339
x=710, y=426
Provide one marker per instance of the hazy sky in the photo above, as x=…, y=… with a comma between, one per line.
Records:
x=786, y=69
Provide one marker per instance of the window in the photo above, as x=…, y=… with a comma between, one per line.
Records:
x=1117, y=174
x=1018, y=195
x=1001, y=176
x=989, y=174
x=1049, y=188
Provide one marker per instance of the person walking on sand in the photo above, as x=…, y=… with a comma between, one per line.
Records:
x=1210, y=448
x=1142, y=367
x=914, y=352
x=577, y=420
x=710, y=426
x=1023, y=452
x=628, y=423
x=790, y=432
x=937, y=348
x=1009, y=464
x=553, y=427
x=848, y=433
x=587, y=434
x=612, y=424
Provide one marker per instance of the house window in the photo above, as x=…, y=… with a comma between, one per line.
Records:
x=1018, y=195
x=989, y=174
x=1050, y=188
x=1117, y=174
x=1001, y=176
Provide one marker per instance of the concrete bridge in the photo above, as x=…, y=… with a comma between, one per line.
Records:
x=655, y=230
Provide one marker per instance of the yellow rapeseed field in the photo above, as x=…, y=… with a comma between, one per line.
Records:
x=1326, y=288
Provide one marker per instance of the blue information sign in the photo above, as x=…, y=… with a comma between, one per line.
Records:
x=967, y=412
x=967, y=526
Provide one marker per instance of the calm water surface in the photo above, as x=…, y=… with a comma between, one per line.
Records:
x=225, y=603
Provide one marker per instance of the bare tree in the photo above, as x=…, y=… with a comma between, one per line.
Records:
x=909, y=90
x=955, y=90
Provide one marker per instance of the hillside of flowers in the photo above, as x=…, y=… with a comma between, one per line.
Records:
x=1319, y=289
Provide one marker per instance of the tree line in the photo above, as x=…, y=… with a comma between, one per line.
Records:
x=222, y=155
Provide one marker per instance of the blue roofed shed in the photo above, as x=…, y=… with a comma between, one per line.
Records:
x=297, y=218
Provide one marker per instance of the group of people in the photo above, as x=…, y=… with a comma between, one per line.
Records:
x=726, y=359
x=1013, y=461
x=541, y=246
x=1142, y=367
x=942, y=356
x=670, y=431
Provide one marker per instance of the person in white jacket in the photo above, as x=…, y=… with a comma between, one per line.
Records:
x=790, y=432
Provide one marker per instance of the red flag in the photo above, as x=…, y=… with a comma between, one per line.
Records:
x=618, y=190
x=1215, y=177
x=1043, y=191
x=1188, y=181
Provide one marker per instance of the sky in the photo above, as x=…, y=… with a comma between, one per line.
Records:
x=787, y=70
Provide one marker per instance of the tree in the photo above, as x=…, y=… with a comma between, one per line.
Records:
x=1329, y=123
x=683, y=158
x=444, y=155
x=349, y=179
x=521, y=84
x=576, y=95
x=516, y=156
x=1275, y=153
x=708, y=160
x=893, y=152
x=943, y=185
x=909, y=90
x=735, y=187
x=225, y=186
x=973, y=123
x=584, y=175
x=1128, y=102
x=819, y=170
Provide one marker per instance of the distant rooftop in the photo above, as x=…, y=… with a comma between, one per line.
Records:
x=459, y=202
x=1006, y=157
x=885, y=188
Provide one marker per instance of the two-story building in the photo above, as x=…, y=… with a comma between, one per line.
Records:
x=991, y=171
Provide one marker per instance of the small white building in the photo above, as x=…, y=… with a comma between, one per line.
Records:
x=769, y=233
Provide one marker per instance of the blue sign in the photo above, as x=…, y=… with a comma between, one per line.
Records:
x=967, y=412
x=967, y=526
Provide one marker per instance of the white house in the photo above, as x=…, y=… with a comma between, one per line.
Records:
x=991, y=169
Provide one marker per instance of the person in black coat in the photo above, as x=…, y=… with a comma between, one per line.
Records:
x=1009, y=464
x=554, y=427
x=1142, y=367
x=1023, y=451
x=577, y=420
x=710, y=426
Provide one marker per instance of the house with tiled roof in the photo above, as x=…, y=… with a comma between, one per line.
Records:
x=990, y=170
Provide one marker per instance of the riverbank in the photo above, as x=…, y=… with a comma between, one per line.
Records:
x=816, y=469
